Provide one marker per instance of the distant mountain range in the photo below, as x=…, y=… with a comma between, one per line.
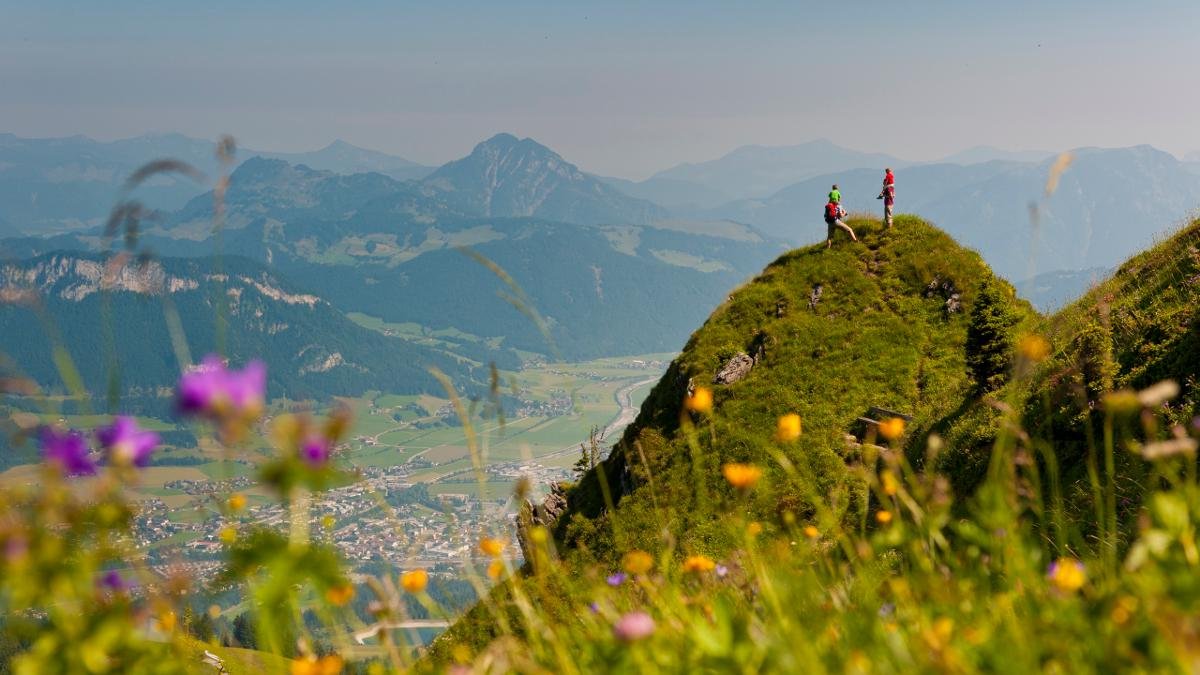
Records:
x=986, y=153
x=607, y=273
x=610, y=266
x=1051, y=291
x=312, y=350
x=1109, y=203
x=58, y=184
x=590, y=259
x=759, y=171
x=342, y=157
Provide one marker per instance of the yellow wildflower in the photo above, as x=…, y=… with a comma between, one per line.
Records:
x=887, y=481
x=884, y=517
x=700, y=401
x=943, y=628
x=892, y=428
x=788, y=427
x=754, y=529
x=637, y=562
x=414, y=581
x=1033, y=347
x=1067, y=574
x=811, y=532
x=236, y=502
x=698, y=564
x=741, y=476
x=228, y=535
x=495, y=569
x=491, y=546
x=340, y=595
x=311, y=665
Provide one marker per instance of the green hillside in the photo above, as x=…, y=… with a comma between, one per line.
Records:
x=1138, y=328
x=879, y=324
x=879, y=335
x=1036, y=512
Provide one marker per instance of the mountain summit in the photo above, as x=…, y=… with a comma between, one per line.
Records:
x=506, y=176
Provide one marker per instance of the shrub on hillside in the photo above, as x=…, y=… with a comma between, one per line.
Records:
x=990, y=337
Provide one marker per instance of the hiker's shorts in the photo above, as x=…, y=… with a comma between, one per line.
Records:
x=835, y=225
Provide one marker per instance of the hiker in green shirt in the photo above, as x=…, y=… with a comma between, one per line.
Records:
x=835, y=195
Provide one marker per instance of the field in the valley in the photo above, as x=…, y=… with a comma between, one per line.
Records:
x=552, y=408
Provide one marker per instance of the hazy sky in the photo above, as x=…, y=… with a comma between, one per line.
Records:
x=619, y=88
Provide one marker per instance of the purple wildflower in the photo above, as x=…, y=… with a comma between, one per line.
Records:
x=113, y=581
x=68, y=451
x=594, y=607
x=634, y=626
x=315, y=451
x=15, y=548
x=616, y=579
x=200, y=387
x=126, y=443
x=247, y=388
x=722, y=571
x=213, y=390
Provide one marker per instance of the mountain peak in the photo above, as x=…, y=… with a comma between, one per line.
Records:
x=506, y=142
x=257, y=167
x=508, y=176
x=816, y=317
x=502, y=138
x=339, y=145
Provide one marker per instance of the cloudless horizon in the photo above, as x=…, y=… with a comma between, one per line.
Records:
x=617, y=88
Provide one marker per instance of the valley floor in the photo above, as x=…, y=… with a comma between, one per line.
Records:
x=397, y=442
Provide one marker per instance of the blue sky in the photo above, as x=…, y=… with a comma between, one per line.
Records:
x=618, y=87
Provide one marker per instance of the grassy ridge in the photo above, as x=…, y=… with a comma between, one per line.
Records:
x=1138, y=327
x=1044, y=521
x=878, y=336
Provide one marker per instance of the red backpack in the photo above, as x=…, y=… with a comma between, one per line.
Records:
x=831, y=211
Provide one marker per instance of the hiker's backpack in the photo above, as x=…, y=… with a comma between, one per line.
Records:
x=831, y=211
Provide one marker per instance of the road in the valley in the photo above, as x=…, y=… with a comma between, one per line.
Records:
x=625, y=416
x=628, y=411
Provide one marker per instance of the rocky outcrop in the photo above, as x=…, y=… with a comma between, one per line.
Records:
x=543, y=515
x=948, y=292
x=815, y=297
x=734, y=369
x=740, y=364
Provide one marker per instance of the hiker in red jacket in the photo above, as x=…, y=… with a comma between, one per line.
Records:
x=888, y=195
x=833, y=219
